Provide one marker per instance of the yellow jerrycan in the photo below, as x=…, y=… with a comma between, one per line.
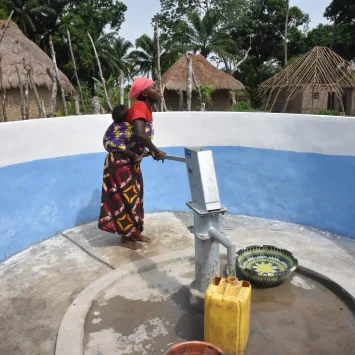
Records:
x=227, y=314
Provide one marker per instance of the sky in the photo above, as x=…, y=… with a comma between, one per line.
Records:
x=139, y=15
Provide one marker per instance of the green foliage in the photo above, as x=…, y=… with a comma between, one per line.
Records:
x=341, y=11
x=70, y=109
x=241, y=106
x=87, y=96
x=218, y=29
x=206, y=92
x=83, y=17
x=201, y=34
x=4, y=6
x=113, y=92
x=329, y=113
x=144, y=58
x=339, y=38
x=27, y=13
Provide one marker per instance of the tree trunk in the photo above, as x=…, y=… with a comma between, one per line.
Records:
x=286, y=30
x=156, y=33
x=27, y=101
x=189, y=83
x=101, y=75
x=54, y=92
x=6, y=26
x=76, y=74
x=35, y=91
x=56, y=71
x=77, y=104
x=181, y=100
x=244, y=59
x=121, y=87
x=22, y=99
x=96, y=107
x=202, y=103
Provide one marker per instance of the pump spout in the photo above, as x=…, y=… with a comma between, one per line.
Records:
x=231, y=249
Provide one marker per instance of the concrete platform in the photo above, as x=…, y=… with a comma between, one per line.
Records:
x=146, y=312
x=39, y=284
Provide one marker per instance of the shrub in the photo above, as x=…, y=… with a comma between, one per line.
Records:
x=329, y=113
x=241, y=106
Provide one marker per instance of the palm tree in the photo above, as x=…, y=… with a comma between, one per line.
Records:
x=144, y=57
x=121, y=49
x=202, y=35
x=104, y=46
x=113, y=53
x=29, y=12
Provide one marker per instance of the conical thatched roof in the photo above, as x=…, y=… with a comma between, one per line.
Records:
x=319, y=68
x=14, y=47
x=206, y=74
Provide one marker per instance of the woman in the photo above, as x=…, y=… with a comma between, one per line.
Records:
x=122, y=209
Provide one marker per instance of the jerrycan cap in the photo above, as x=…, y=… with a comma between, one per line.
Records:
x=232, y=280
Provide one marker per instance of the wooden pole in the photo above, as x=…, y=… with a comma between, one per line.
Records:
x=44, y=109
x=158, y=65
x=56, y=71
x=121, y=87
x=6, y=26
x=232, y=97
x=96, y=105
x=76, y=73
x=189, y=83
x=3, y=102
x=181, y=100
x=27, y=101
x=77, y=104
x=22, y=99
x=35, y=91
x=54, y=91
x=101, y=75
x=165, y=109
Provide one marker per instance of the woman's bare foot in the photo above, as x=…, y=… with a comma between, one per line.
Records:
x=144, y=239
x=130, y=244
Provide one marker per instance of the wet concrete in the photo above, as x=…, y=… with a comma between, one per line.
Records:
x=299, y=317
x=38, y=285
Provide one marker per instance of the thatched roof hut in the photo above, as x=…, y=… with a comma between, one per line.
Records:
x=174, y=81
x=316, y=81
x=15, y=47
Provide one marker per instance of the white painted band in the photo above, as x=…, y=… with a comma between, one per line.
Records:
x=24, y=141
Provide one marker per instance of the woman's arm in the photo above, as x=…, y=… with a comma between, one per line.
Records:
x=139, y=127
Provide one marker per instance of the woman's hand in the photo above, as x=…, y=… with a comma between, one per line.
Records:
x=158, y=155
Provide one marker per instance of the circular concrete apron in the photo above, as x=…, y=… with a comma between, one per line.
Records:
x=143, y=309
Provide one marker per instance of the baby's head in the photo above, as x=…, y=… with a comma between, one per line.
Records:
x=119, y=114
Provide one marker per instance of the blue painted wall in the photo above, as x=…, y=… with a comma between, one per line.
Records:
x=41, y=198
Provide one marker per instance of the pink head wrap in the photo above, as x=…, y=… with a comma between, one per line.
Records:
x=138, y=86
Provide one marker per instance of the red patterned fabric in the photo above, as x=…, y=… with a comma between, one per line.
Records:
x=122, y=210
